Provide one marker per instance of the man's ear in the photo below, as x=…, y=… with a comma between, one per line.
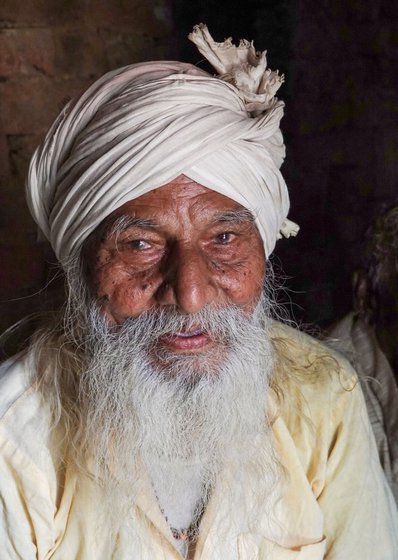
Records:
x=361, y=294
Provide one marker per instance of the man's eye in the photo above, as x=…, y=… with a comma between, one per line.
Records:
x=138, y=244
x=225, y=237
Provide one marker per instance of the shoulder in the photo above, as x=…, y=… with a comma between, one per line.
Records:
x=15, y=382
x=31, y=463
x=319, y=406
x=309, y=360
x=343, y=327
x=344, y=334
x=25, y=420
x=315, y=382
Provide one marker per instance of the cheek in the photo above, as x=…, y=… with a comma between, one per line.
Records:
x=121, y=294
x=244, y=281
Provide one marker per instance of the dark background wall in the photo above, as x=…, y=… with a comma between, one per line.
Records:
x=340, y=59
x=341, y=127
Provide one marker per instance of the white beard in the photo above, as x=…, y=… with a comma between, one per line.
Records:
x=189, y=416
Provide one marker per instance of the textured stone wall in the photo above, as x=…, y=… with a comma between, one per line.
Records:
x=49, y=51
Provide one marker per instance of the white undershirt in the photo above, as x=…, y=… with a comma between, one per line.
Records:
x=178, y=488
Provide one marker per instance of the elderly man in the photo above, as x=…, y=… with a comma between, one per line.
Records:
x=368, y=335
x=164, y=415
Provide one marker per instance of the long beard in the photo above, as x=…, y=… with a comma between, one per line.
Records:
x=141, y=403
x=126, y=402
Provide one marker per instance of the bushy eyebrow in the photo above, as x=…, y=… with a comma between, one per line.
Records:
x=240, y=216
x=123, y=223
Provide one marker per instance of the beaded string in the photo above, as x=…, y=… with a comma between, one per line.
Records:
x=186, y=535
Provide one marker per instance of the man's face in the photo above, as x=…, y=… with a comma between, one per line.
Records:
x=181, y=245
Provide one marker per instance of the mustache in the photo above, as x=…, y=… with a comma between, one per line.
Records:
x=220, y=322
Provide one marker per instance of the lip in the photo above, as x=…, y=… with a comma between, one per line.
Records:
x=193, y=340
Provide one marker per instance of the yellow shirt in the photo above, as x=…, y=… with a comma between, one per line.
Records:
x=357, y=341
x=335, y=503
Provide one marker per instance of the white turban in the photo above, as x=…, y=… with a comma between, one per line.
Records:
x=139, y=127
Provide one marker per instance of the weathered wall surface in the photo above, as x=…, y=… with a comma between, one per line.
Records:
x=49, y=52
x=340, y=126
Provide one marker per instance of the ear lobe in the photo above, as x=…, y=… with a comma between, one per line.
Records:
x=361, y=293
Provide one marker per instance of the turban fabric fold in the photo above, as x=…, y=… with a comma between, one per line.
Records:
x=141, y=126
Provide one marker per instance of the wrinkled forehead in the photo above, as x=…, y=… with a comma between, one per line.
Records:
x=183, y=201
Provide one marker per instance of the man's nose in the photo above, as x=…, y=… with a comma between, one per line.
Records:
x=188, y=282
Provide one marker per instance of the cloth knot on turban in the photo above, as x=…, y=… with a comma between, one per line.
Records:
x=139, y=127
